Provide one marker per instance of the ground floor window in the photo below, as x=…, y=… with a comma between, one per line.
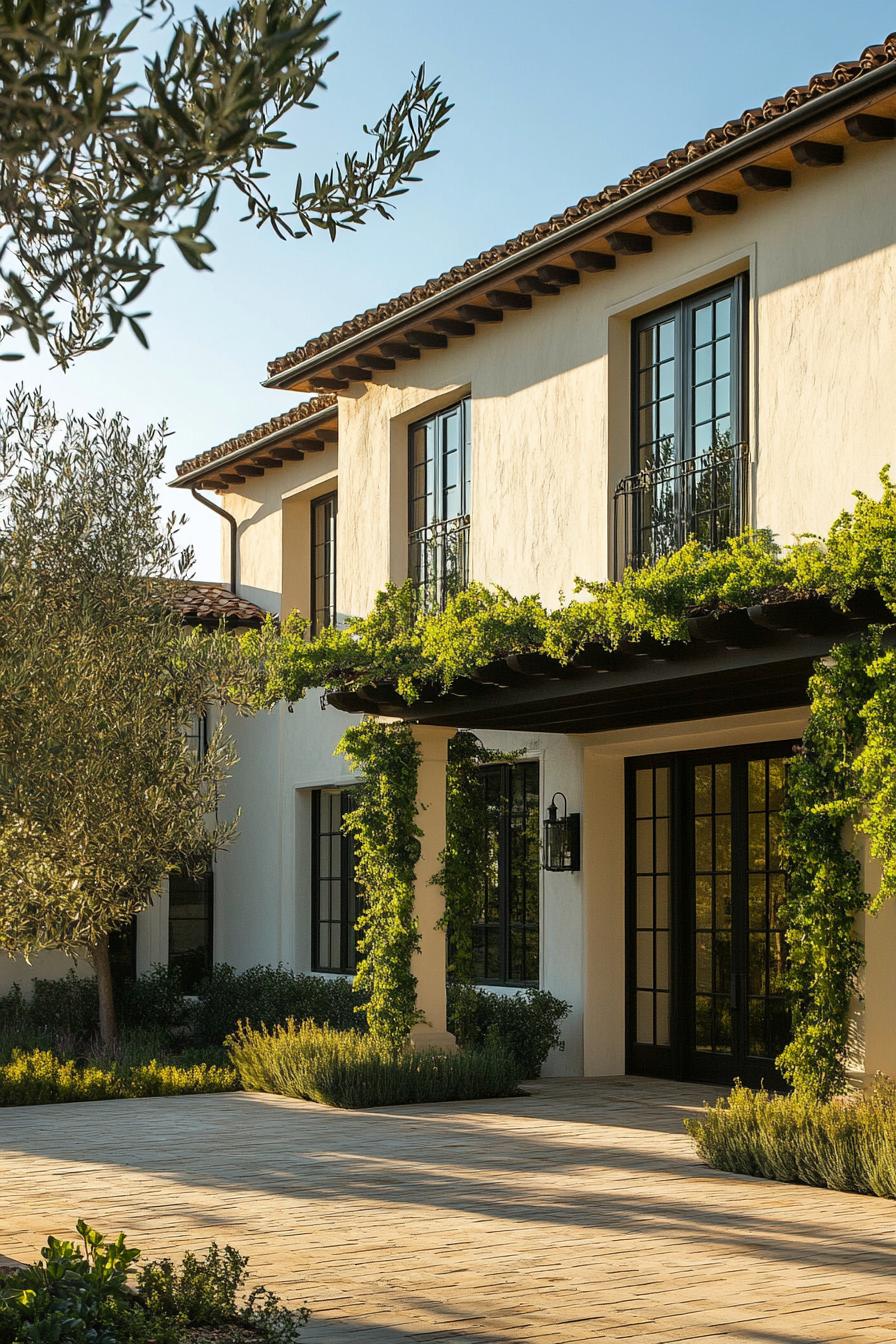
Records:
x=190, y=906
x=705, y=886
x=334, y=902
x=506, y=937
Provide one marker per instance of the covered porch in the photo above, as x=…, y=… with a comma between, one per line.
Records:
x=727, y=703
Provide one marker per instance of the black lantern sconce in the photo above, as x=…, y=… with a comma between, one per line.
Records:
x=562, y=839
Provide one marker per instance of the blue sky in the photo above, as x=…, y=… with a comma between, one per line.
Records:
x=552, y=102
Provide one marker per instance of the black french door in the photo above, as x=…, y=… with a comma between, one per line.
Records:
x=705, y=947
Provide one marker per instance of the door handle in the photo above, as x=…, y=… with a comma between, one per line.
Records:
x=735, y=992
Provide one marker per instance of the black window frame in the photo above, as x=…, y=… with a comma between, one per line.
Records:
x=501, y=931
x=737, y=289
x=324, y=615
x=438, y=539
x=204, y=891
x=348, y=894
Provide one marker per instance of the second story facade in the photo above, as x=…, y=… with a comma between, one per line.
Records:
x=706, y=347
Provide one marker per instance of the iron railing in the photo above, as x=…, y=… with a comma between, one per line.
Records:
x=657, y=509
x=439, y=560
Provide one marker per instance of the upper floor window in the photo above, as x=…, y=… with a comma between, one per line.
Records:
x=506, y=937
x=334, y=905
x=688, y=468
x=439, y=504
x=323, y=562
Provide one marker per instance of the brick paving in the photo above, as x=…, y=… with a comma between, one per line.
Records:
x=578, y=1212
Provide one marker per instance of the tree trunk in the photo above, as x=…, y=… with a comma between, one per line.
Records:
x=99, y=955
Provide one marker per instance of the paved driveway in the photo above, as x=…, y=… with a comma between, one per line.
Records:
x=576, y=1213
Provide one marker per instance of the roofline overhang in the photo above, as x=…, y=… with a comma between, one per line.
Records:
x=816, y=111
x=190, y=477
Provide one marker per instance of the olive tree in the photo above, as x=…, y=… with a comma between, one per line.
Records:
x=115, y=138
x=101, y=793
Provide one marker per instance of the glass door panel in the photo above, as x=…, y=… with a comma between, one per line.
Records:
x=712, y=909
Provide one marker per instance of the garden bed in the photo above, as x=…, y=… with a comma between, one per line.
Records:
x=847, y=1144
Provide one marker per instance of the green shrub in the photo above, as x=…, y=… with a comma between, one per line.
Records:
x=266, y=995
x=348, y=1069
x=68, y=1006
x=846, y=1144
x=38, y=1077
x=85, y=1295
x=527, y=1023
x=156, y=999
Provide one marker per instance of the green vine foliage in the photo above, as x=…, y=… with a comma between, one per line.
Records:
x=387, y=837
x=468, y=853
x=841, y=782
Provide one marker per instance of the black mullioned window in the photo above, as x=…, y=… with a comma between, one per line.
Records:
x=506, y=938
x=334, y=904
x=190, y=910
x=689, y=423
x=439, y=491
x=323, y=561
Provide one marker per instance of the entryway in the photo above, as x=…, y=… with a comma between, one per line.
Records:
x=705, y=948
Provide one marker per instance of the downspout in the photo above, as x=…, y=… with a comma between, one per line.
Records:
x=231, y=521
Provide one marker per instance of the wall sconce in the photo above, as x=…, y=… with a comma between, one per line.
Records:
x=562, y=839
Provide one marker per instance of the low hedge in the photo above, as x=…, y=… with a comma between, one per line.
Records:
x=846, y=1144
x=38, y=1077
x=351, y=1070
x=94, y=1290
x=527, y=1023
x=266, y=995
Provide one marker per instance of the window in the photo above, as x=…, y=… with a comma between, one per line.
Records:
x=334, y=905
x=190, y=901
x=323, y=562
x=196, y=734
x=439, y=504
x=688, y=366
x=505, y=940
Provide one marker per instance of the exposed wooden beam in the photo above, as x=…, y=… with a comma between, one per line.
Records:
x=712, y=202
x=472, y=312
x=232, y=477
x=452, y=326
x=353, y=373
x=558, y=275
x=532, y=284
x=594, y=261
x=267, y=462
x=505, y=298
x=329, y=384
x=629, y=244
x=762, y=178
x=399, y=350
x=816, y=153
x=665, y=223
x=288, y=454
x=248, y=470
x=867, y=128
x=311, y=445
x=328, y=435
x=379, y=362
x=430, y=340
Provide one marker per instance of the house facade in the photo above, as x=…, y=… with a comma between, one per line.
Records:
x=708, y=346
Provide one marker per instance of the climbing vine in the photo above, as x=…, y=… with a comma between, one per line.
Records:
x=387, y=838
x=842, y=781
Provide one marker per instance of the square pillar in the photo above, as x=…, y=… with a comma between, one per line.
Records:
x=429, y=962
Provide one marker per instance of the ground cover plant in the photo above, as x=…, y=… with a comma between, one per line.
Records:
x=94, y=1292
x=351, y=1070
x=848, y=1143
x=39, y=1077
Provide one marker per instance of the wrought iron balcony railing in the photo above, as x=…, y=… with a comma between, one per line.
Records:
x=439, y=560
x=658, y=508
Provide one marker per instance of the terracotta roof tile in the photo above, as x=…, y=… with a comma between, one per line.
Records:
x=294, y=416
x=819, y=84
x=201, y=603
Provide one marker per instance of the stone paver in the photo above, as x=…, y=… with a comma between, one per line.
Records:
x=576, y=1213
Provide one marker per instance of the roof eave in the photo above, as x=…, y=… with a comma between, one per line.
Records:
x=863, y=89
x=190, y=477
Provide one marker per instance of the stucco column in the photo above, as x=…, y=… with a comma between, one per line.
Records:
x=429, y=962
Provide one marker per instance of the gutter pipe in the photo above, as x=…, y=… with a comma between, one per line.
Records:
x=231, y=521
